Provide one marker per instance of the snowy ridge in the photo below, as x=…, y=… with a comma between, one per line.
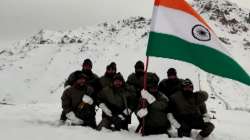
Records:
x=41, y=68
x=236, y=20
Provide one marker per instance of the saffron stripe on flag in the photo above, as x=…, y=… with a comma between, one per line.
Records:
x=181, y=5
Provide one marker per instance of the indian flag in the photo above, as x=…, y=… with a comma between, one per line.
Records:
x=178, y=32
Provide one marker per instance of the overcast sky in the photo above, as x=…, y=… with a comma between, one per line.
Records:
x=20, y=19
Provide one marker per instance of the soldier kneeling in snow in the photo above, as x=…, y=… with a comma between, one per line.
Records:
x=77, y=103
x=117, y=103
x=153, y=109
x=189, y=111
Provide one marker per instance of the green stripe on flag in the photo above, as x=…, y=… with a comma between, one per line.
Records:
x=208, y=59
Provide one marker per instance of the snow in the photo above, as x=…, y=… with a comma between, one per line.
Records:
x=33, y=73
x=38, y=121
x=232, y=125
x=242, y=3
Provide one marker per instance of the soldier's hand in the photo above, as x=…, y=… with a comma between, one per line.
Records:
x=87, y=99
x=121, y=117
x=173, y=121
x=74, y=120
x=142, y=112
x=127, y=111
x=206, y=118
x=105, y=109
x=146, y=95
x=173, y=132
x=117, y=121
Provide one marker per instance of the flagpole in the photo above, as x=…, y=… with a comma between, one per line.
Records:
x=199, y=80
x=144, y=87
x=145, y=74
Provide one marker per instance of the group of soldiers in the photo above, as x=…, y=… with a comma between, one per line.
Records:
x=168, y=107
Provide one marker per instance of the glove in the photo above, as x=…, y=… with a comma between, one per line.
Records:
x=206, y=118
x=173, y=121
x=146, y=95
x=105, y=109
x=142, y=112
x=87, y=99
x=74, y=120
x=127, y=111
x=117, y=122
x=173, y=132
x=66, y=87
x=121, y=117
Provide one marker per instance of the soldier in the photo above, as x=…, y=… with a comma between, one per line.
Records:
x=77, y=102
x=136, y=79
x=92, y=80
x=189, y=111
x=136, y=82
x=107, y=78
x=154, y=109
x=117, y=104
x=171, y=84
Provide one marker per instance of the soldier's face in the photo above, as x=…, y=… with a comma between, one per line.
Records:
x=172, y=76
x=118, y=83
x=153, y=89
x=139, y=71
x=111, y=71
x=188, y=88
x=86, y=67
x=81, y=81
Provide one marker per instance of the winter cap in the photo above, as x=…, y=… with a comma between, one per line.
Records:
x=152, y=80
x=171, y=71
x=108, y=67
x=187, y=82
x=87, y=62
x=75, y=76
x=139, y=65
x=112, y=65
x=118, y=76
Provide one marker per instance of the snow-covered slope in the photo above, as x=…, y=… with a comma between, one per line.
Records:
x=34, y=70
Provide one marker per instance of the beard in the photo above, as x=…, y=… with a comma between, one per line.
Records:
x=87, y=72
x=153, y=90
x=188, y=93
x=139, y=73
x=110, y=75
x=79, y=85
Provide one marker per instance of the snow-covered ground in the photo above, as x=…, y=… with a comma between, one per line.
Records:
x=39, y=122
x=32, y=73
